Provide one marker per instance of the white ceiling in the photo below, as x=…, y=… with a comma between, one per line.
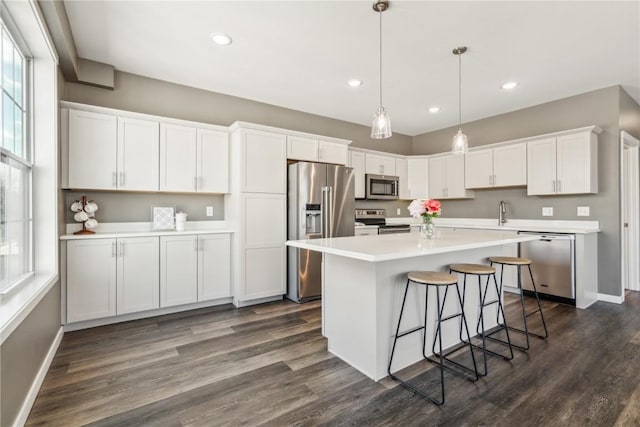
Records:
x=300, y=54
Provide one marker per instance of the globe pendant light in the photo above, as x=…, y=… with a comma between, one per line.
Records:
x=381, y=126
x=460, y=143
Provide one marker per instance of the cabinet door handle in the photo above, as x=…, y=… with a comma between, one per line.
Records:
x=559, y=186
x=554, y=185
x=121, y=178
x=114, y=179
x=113, y=249
x=195, y=244
x=121, y=248
x=494, y=180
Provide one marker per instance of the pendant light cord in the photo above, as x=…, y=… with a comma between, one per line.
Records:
x=459, y=90
x=380, y=13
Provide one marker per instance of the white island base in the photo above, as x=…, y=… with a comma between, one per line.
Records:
x=364, y=280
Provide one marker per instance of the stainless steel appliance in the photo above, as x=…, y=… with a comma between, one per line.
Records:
x=377, y=217
x=321, y=201
x=381, y=187
x=553, y=266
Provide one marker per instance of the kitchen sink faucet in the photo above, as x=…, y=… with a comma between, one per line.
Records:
x=502, y=211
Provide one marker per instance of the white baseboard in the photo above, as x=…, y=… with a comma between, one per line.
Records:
x=611, y=298
x=21, y=419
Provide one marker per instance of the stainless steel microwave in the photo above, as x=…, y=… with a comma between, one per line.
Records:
x=381, y=187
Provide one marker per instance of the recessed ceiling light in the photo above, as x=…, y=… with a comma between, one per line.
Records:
x=354, y=82
x=434, y=110
x=509, y=85
x=221, y=38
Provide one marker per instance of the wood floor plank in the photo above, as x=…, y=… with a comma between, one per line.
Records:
x=269, y=365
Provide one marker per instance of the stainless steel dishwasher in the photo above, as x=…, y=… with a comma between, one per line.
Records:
x=553, y=265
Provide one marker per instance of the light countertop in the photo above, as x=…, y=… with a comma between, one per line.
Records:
x=407, y=245
x=144, y=229
x=548, y=226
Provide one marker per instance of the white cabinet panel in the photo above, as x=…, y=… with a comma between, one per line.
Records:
x=403, y=178
x=92, y=150
x=178, y=270
x=138, y=154
x=264, y=162
x=264, y=220
x=91, y=279
x=299, y=148
x=214, y=266
x=380, y=165
x=356, y=161
x=333, y=152
x=212, y=161
x=177, y=158
x=478, y=169
x=577, y=166
x=138, y=270
x=541, y=166
x=264, y=272
x=417, y=174
x=446, y=177
x=510, y=165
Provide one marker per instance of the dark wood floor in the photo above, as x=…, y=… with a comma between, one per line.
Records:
x=269, y=365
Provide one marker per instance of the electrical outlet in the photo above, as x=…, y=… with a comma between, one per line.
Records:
x=209, y=210
x=583, y=211
x=398, y=212
x=547, y=211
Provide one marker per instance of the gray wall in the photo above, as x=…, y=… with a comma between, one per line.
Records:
x=601, y=108
x=150, y=96
x=629, y=114
x=22, y=354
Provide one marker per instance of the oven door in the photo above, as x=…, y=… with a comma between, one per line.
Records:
x=381, y=187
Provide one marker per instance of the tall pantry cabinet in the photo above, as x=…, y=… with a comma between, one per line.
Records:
x=257, y=203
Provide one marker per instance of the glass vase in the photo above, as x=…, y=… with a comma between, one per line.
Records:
x=428, y=228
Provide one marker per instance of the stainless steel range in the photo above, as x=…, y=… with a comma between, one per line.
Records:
x=377, y=217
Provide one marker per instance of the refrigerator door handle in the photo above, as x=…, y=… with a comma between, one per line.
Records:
x=326, y=212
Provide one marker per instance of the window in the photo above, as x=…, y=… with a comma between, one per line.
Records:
x=16, y=262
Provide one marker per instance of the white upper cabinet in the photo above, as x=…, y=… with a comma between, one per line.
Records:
x=138, y=154
x=565, y=164
x=446, y=177
x=417, y=174
x=317, y=150
x=212, y=161
x=92, y=145
x=503, y=166
x=356, y=161
x=178, y=147
x=380, y=165
x=264, y=164
x=299, y=148
x=403, y=175
x=333, y=152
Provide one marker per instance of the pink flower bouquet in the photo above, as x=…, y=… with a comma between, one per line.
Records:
x=427, y=209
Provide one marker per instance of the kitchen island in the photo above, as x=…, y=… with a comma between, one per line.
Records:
x=363, y=285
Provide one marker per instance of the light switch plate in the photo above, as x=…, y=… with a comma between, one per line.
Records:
x=398, y=212
x=209, y=210
x=583, y=211
x=547, y=211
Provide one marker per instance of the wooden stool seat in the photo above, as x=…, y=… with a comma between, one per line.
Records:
x=472, y=268
x=510, y=260
x=437, y=278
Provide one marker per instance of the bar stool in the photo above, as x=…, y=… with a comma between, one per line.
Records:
x=480, y=270
x=518, y=263
x=436, y=280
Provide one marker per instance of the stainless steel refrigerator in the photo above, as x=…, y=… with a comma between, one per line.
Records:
x=321, y=203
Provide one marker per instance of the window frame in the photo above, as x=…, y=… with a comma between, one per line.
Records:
x=26, y=160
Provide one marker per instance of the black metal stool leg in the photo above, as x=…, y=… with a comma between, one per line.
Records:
x=504, y=319
x=535, y=291
x=395, y=338
x=524, y=312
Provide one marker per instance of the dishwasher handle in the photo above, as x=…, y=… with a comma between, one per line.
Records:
x=548, y=237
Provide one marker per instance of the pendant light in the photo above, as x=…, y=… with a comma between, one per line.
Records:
x=381, y=126
x=460, y=143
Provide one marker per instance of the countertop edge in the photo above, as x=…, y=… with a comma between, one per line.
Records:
x=144, y=234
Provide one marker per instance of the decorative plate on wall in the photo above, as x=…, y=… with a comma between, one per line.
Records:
x=163, y=217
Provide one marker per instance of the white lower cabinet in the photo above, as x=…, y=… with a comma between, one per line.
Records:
x=137, y=271
x=194, y=268
x=107, y=277
x=179, y=270
x=91, y=279
x=214, y=266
